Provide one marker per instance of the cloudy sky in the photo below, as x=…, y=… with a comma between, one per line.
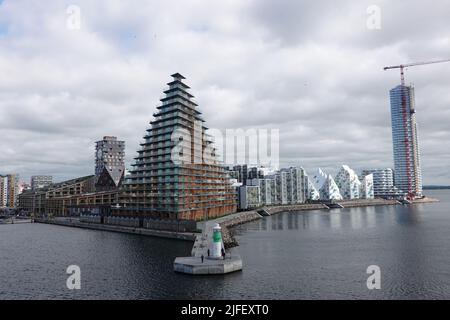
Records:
x=312, y=69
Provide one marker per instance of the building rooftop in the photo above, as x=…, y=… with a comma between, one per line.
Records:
x=178, y=76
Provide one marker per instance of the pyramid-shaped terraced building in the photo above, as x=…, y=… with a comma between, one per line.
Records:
x=176, y=174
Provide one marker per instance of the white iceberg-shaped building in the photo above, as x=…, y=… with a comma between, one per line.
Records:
x=348, y=183
x=327, y=187
x=313, y=193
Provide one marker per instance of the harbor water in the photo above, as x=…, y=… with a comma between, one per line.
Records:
x=304, y=255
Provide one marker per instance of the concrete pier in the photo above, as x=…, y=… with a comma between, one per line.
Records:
x=210, y=265
x=194, y=265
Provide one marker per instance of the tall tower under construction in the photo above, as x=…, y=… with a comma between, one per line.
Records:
x=176, y=174
x=408, y=174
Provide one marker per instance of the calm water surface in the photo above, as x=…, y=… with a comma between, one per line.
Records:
x=318, y=254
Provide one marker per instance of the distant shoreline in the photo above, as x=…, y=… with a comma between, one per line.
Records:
x=436, y=188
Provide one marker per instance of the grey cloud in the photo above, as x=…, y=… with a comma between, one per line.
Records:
x=310, y=68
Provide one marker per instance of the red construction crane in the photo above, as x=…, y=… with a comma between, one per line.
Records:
x=411, y=193
x=403, y=66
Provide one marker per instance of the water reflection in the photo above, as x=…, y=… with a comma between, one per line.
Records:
x=337, y=219
x=407, y=215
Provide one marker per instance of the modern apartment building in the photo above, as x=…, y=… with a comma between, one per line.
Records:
x=57, y=198
x=38, y=182
x=245, y=173
x=109, y=163
x=240, y=172
x=233, y=174
x=366, y=187
x=286, y=186
x=383, y=182
x=3, y=191
x=12, y=190
x=255, y=173
x=9, y=190
x=297, y=185
x=408, y=175
x=176, y=174
x=249, y=197
x=281, y=185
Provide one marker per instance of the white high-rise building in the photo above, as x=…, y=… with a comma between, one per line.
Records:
x=297, y=185
x=3, y=191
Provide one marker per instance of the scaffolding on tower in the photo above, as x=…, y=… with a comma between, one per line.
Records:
x=411, y=193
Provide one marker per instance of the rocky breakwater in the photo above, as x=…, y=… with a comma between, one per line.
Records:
x=227, y=232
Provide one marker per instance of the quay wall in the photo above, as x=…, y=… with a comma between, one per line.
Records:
x=367, y=203
x=186, y=236
x=154, y=224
